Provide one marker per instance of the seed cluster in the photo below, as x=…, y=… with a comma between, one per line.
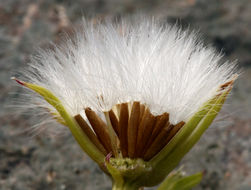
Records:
x=130, y=130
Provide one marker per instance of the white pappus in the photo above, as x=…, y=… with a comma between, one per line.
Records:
x=107, y=63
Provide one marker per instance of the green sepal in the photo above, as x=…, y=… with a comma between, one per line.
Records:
x=75, y=129
x=176, y=181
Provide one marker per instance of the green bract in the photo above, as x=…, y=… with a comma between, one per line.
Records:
x=176, y=181
x=76, y=131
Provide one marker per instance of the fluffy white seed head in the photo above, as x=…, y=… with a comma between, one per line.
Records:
x=110, y=63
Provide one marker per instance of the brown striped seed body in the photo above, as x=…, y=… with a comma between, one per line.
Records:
x=123, y=125
x=133, y=128
x=130, y=130
x=90, y=134
x=100, y=128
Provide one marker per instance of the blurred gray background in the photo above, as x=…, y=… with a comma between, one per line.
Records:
x=56, y=162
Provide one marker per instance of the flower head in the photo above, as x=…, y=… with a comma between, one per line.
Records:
x=130, y=86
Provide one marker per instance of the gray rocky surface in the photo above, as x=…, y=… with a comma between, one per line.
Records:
x=56, y=162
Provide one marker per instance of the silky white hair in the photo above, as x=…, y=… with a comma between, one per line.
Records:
x=139, y=59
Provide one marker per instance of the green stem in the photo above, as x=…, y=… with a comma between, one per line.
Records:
x=124, y=186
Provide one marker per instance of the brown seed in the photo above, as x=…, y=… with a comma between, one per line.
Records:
x=133, y=128
x=100, y=129
x=173, y=132
x=145, y=126
x=90, y=134
x=113, y=136
x=158, y=143
x=148, y=132
x=123, y=126
x=161, y=122
x=114, y=122
x=142, y=111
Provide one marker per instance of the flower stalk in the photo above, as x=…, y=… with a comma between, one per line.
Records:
x=123, y=186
